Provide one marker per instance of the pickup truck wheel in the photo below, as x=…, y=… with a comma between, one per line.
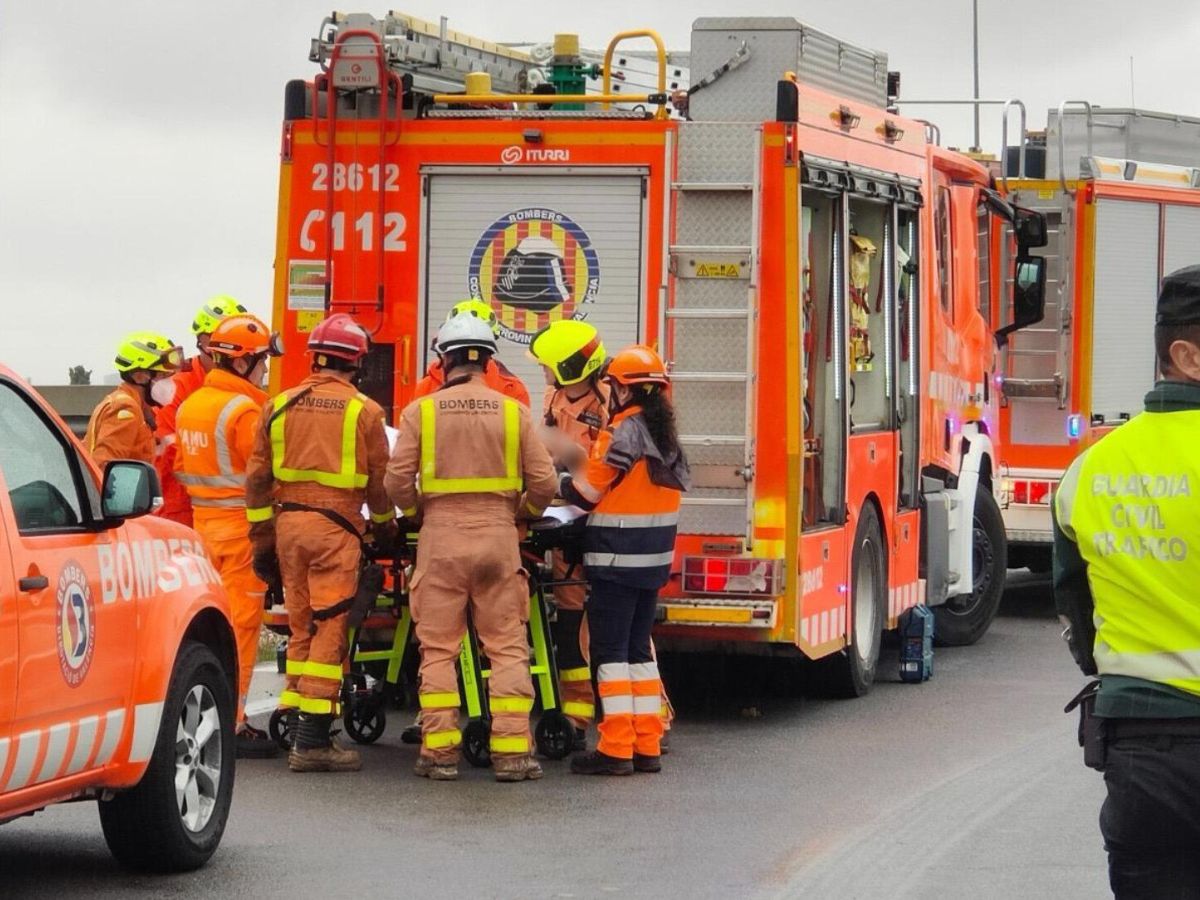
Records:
x=172, y=821
x=964, y=619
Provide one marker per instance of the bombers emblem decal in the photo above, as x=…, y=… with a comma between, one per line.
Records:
x=534, y=266
x=76, y=623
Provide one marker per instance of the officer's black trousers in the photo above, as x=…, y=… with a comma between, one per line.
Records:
x=620, y=618
x=1151, y=819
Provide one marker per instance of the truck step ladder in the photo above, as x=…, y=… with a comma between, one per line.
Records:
x=708, y=327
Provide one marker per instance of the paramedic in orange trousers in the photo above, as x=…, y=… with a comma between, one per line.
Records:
x=319, y=455
x=631, y=483
x=572, y=357
x=216, y=426
x=480, y=465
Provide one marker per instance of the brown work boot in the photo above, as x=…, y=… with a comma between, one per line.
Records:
x=516, y=768
x=434, y=770
x=315, y=751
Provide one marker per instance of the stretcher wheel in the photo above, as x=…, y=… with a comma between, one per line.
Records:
x=279, y=727
x=554, y=735
x=475, y=743
x=365, y=721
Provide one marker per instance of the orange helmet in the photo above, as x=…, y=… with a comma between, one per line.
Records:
x=244, y=335
x=637, y=364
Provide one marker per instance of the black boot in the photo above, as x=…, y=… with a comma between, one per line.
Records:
x=597, y=763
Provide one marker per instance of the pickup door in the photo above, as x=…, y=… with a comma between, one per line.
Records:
x=75, y=645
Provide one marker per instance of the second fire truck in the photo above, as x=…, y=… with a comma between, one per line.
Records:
x=810, y=265
x=1120, y=189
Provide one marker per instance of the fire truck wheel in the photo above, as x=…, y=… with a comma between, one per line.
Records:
x=964, y=619
x=172, y=821
x=851, y=672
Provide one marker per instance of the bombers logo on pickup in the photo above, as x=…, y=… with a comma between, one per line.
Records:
x=132, y=570
x=534, y=266
x=76, y=623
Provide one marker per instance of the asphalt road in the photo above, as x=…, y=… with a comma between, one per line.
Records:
x=968, y=786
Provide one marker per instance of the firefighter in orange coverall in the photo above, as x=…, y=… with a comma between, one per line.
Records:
x=475, y=451
x=495, y=375
x=631, y=483
x=216, y=426
x=170, y=393
x=122, y=425
x=320, y=453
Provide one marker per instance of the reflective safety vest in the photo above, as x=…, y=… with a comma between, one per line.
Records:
x=305, y=460
x=489, y=476
x=630, y=534
x=1132, y=505
x=215, y=432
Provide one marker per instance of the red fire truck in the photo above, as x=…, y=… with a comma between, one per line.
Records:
x=1120, y=189
x=811, y=266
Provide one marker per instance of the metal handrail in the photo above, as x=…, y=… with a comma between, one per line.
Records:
x=1008, y=105
x=1062, y=143
x=659, y=46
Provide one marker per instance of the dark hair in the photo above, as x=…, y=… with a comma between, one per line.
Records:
x=1166, y=335
x=452, y=359
x=333, y=362
x=659, y=416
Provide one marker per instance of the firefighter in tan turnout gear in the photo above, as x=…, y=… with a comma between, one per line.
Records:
x=320, y=453
x=480, y=466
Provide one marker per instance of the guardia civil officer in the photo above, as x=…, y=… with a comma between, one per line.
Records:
x=1127, y=580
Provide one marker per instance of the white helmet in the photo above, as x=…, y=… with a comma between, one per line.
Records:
x=463, y=333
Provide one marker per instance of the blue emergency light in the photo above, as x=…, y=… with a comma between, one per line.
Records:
x=1074, y=426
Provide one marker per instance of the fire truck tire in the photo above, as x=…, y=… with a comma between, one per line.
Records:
x=850, y=672
x=964, y=619
x=153, y=827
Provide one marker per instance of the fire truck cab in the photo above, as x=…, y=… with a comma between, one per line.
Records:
x=117, y=661
x=1120, y=190
x=820, y=278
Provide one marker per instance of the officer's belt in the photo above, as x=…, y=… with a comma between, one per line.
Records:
x=1116, y=729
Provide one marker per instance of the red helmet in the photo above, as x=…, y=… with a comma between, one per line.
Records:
x=341, y=337
x=637, y=364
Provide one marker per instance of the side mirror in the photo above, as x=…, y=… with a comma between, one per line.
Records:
x=131, y=489
x=1029, y=296
x=1030, y=228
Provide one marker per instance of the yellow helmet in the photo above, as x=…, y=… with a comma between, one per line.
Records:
x=571, y=349
x=477, y=308
x=147, y=351
x=213, y=311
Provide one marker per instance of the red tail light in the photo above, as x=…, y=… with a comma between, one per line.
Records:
x=732, y=575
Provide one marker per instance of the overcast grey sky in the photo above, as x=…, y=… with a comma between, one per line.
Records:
x=139, y=140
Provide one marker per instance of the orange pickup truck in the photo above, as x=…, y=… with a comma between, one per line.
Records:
x=117, y=660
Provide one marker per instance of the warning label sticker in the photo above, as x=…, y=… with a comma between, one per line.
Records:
x=718, y=270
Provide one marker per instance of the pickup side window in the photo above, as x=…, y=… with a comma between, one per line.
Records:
x=36, y=460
